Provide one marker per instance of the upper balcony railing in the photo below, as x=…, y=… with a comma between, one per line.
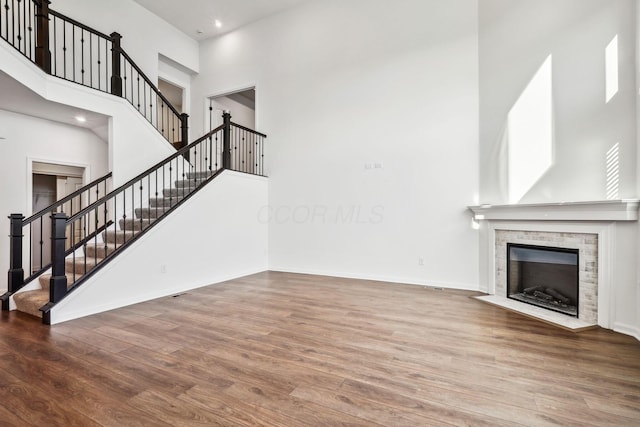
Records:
x=70, y=50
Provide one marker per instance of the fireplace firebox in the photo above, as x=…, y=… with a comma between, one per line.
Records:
x=543, y=276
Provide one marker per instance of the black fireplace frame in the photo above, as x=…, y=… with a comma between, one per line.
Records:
x=575, y=252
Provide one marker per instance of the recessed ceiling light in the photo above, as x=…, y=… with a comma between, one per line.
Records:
x=218, y=23
x=81, y=119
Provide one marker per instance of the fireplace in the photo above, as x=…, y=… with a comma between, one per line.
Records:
x=547, y=277
x=602, y=232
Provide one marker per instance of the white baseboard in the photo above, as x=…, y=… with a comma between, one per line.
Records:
x=380, y=278
x=623, y=328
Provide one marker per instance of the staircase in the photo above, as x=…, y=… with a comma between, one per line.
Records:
x=85, y=239
x=110, y=240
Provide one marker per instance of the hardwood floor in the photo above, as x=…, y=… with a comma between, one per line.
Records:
x=296, y=350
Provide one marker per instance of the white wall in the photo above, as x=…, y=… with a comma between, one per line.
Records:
x=215, y=236
x=134, y=144
x=347, y=83
x=144, y=35
x=637, y=258
x=30, y=139
x=515, y=38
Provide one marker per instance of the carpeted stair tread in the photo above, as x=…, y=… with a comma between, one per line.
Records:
x=45, y=280
x=152, y=213
x=118, y=236
x=99, y=250
x=176, y=192
x=188, y=183
x=136, y=224
x=199, y=175
x=31, y=301
x=164, y=202
x=82, y=265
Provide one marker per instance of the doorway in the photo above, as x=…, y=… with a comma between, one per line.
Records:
x=50, y=183
x=175, y=95
x=241, y=105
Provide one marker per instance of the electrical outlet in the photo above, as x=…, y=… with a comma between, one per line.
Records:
x=421, y=261
x=163, y=268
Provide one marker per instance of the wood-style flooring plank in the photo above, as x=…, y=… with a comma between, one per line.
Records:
x=281, y=349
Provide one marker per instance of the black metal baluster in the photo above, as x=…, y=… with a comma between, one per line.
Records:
x=30, y=29
x=73, y=51
x=124, y=215
x=144, y=102
x=124, y=84
x=55, y=46
x=14, y=28
x=64, y=48
x=13, y=22
x=82, y=54
x=115, y=219
x=170, y=184
x=148, y=198
x=31, y=246
x=105, y=209
x=156, y=197
x=139, y=204
x=25, y=37
x=96, y=214
x=133, y=205
x=236, y=146
x=138, y=79
x=41, y=243
x=6, y=8
x=73, y=256
x=91, y=36
x=162, y=112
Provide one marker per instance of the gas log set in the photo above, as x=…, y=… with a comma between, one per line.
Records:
x=546, y=295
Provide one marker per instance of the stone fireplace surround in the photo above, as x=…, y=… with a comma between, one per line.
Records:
x=602, y=231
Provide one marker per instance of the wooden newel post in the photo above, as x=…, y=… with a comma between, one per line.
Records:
x=116, y=62
x=58, y=282
x=16, y=272
x=43, y=54
x=184, y=130
x=226, y=140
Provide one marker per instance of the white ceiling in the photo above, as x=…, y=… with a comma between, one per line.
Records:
x=191, y=16
x=20, y=99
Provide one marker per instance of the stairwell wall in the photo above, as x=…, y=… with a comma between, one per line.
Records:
x=145, y=36
x=371, y=113
x=214, y=236
x=31, y=139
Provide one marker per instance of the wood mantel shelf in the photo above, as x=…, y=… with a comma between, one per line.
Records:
x=604, y=210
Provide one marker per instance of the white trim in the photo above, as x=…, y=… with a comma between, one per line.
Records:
x=623, y=328
x=86, y=177
x=377, y=278
x=604, y=210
